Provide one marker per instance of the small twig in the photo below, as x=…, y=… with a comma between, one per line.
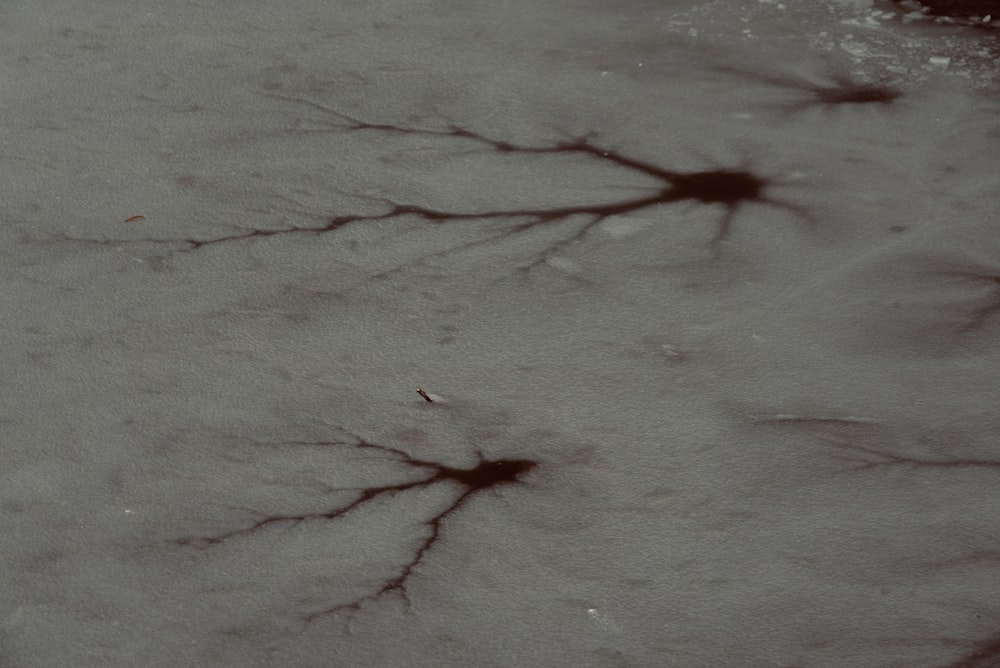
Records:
x=426, y=396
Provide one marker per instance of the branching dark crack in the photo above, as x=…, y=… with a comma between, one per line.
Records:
x=839, y=90
x=866, y=457
x=487, y=474
x=728, y=189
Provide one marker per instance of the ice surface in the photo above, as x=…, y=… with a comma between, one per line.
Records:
x=706, y=297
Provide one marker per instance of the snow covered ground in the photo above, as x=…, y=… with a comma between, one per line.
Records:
x=706, y=296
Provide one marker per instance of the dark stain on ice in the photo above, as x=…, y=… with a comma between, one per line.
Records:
x=486, y=475
x=987, y=655
x=847, y=92
x=839, y=90
x=726, y=188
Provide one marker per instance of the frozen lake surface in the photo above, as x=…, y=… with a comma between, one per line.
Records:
x=705, y=298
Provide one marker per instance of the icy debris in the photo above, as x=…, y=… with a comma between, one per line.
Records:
x=854, y=48
x=870, y=21
x=602, y=620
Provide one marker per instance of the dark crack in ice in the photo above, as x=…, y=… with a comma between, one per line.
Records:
x=857, y=451
x=728, y=189
x=486, y=475
x=837, y=90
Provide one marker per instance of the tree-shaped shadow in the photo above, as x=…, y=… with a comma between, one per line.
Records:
x=729, y=189
x=488, y=474
x=835, y=90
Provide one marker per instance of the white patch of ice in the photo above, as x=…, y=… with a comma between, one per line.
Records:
x=623, y=226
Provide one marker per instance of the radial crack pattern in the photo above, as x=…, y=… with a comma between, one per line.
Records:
x=487, y=474
x=839, y=90
x=728, y=189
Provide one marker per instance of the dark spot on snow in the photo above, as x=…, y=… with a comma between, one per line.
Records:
x=721, y=186
x=847, y=92
x=486, y=475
